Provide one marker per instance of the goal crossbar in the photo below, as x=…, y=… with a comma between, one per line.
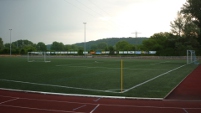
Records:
x=37, y=57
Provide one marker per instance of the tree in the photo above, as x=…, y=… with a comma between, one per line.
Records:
x=178, y=24
x=157, y=42
x=123, y=46
x=184, y=26
x=56, y=46
x=29, y=48
x=41, y=46
x=23, y=46
x=1, y=43
x=71, y=48
x=102, y=46
x=190, y=28
x=193, y=8
x=94, y=47
x=111, y=49
x=74, y=48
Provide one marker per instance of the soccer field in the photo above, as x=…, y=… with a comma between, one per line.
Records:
x=95, y=76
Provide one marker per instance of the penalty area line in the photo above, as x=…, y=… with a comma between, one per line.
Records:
x=152, y=79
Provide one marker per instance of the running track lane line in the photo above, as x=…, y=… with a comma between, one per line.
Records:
x=79, y=107
x=49, y=110
x=152, y=79
x=185, y=110
x=96, y=100
x=117, y=105
x=94, y=108
x=9, y=101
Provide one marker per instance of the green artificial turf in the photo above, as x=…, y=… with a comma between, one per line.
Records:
x=94, y=76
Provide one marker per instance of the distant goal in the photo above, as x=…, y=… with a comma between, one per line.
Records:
x=38, y=57
x=191, y=57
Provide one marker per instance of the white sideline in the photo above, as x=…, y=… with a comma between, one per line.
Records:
x=58, y=86
x=152, y=79
x=109, y=91
x=80, y=95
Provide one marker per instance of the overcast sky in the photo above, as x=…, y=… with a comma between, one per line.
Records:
x=62, y=20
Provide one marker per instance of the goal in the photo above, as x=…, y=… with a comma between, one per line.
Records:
x=38, y=57
x=191, y=57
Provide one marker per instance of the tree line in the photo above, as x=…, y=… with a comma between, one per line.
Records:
x=185, y=35
x=24, y=46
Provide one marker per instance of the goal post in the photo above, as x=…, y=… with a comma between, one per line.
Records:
x=191, y=57
x=38, y=57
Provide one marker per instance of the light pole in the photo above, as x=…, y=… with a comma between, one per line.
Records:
x=10, y=41
x=84, y=37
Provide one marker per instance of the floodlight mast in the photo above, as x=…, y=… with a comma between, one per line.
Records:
x=10, y=41
x=84, y=37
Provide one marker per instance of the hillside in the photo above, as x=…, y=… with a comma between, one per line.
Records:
x=113, y=41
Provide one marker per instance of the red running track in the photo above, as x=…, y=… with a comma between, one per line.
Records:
x=189, y=88
x=186, y=98
x=22, y=102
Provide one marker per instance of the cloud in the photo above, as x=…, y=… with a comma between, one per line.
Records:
x=62, y=20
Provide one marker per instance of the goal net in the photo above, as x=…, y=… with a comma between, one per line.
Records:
x=191, y=57
x=38, y=57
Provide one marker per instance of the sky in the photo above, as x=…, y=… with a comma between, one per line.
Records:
x=62, y=20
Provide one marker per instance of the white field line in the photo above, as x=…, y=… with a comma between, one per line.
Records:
x=152, y=79
x=86, y=66
x=176, y=86
x=110, y=68
x=160, y=63
x=72, y=64
x=94, y=67
x=51, y=85
x=65, y=94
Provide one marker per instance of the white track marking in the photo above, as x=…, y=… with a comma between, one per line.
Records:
x=39, y=109
x=79, y=107
x=97, y=99
x=152, y=79
x=81, y=103
x=9, y=101
x=44, y=100
x=185, y=110
x=51, y=85
x=94, y=108
x=52, y=110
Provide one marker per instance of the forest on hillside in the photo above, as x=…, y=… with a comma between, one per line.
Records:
x=102, y=44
